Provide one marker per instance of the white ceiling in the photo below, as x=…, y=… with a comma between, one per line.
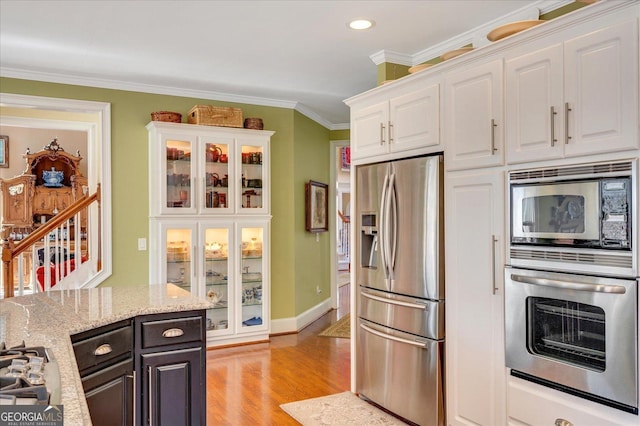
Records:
x=296, y=54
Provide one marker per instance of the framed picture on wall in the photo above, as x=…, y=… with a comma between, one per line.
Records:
x=4, y=151
x=317, y=206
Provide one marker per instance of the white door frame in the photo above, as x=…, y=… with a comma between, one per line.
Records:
x=333, y=178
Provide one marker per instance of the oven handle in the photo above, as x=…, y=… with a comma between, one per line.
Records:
x=567, y=285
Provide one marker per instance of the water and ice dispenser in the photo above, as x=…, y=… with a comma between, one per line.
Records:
x=368, y=241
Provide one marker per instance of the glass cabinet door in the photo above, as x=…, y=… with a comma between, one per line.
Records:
x=217, y=278
x=218, y=174
x=179, y=169
x=179, y=269
x=253, y=270
x=253, y=167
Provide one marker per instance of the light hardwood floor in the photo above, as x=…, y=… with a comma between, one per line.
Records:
x=247, y=384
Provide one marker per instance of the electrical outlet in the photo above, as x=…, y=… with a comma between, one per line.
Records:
x=142, y=244
x=318, y=290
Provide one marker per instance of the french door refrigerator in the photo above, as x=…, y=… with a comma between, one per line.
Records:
x=400, y=287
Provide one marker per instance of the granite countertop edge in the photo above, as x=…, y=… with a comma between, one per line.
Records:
x=50, y=319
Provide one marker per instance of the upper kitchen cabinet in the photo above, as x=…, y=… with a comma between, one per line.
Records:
x=402, y=117
x=579, y=97
x=473, y=118
x=196, y=170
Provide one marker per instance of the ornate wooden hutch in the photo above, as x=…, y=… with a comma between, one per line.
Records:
x=29, y=200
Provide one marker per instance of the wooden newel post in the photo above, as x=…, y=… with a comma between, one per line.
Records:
x=7, y=262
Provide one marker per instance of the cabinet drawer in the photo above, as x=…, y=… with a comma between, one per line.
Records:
x=98, y=350
x=171, y=331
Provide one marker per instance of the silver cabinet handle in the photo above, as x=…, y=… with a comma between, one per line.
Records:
x=390, y=132
x=567, y=109
x=394, y=338
x=567, y=285
x=134, y=398
x=172, y=332
x=381, y=133
x=553, y=126
x=394, y=302
x=563, y=422
x=494, y=240
x=103, y=350
x=493, y=136
x=150, y=390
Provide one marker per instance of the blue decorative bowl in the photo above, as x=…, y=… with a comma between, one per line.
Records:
x=53, y=178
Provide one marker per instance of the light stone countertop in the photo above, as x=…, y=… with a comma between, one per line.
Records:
x=49, y=319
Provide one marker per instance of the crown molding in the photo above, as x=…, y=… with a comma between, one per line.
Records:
x=166, y=90
x=391, y=56
x=475, y=36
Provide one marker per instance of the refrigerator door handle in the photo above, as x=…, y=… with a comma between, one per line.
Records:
x=393, y=219
x=382, y=233
x=394, y=302
x=394, y=338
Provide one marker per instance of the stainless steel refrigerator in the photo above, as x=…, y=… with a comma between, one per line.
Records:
x=400, y=287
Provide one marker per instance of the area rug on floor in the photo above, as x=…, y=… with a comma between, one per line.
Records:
x=340, y=409
x=341, y=328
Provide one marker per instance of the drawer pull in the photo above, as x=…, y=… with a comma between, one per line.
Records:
x=172, y=332
x=563, y=422
x=103, y=350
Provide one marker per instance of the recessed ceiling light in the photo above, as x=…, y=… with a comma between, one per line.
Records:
x=361, y=24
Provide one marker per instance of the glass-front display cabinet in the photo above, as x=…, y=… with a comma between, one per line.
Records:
x=205, y=169
x=209, y=221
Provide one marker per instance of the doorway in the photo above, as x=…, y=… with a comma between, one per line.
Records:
x=340, y=206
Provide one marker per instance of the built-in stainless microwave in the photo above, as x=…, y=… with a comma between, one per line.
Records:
x=582, y=214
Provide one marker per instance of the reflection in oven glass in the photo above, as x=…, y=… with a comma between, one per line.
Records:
x=553, y=213
x=567, y=331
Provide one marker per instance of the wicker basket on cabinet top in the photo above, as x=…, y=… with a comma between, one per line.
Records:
x=210, y=115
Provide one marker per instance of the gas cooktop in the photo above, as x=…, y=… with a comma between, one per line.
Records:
x=28, y=376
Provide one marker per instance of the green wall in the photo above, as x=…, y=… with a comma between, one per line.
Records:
x=299, y=152
x=312, y=255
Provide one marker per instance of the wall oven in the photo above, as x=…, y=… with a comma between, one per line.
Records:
x=575, y=333
x=576, y=218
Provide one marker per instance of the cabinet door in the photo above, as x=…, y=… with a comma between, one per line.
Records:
x=216, y=183
x=473, y=117
x=218, y=276
x=178, y=171
x=474, y=316
x=172, y=385
x=253, y=288
x=533, y=113
x=415, y=120
x=253, y=179
x=369, y=130
x=601, y=90
x=112, y=403
x=174, y=252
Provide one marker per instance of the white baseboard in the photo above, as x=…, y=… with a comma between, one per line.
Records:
x=294, y=324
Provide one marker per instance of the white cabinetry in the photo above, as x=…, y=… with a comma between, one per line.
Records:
x=396, y=120
x=533, y=404
x=475, y=373
x=210, y=224
x=473, y=122
x=574, y=98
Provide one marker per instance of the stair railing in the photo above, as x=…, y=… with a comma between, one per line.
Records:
x=52, y=244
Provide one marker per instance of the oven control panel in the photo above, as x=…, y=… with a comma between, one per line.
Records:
x=615, y=194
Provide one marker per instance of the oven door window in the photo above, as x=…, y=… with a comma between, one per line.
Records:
x=567, y=331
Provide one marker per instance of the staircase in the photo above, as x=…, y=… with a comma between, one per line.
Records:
x=57, y=254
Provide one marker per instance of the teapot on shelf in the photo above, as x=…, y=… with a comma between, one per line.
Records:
x=213, y=153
